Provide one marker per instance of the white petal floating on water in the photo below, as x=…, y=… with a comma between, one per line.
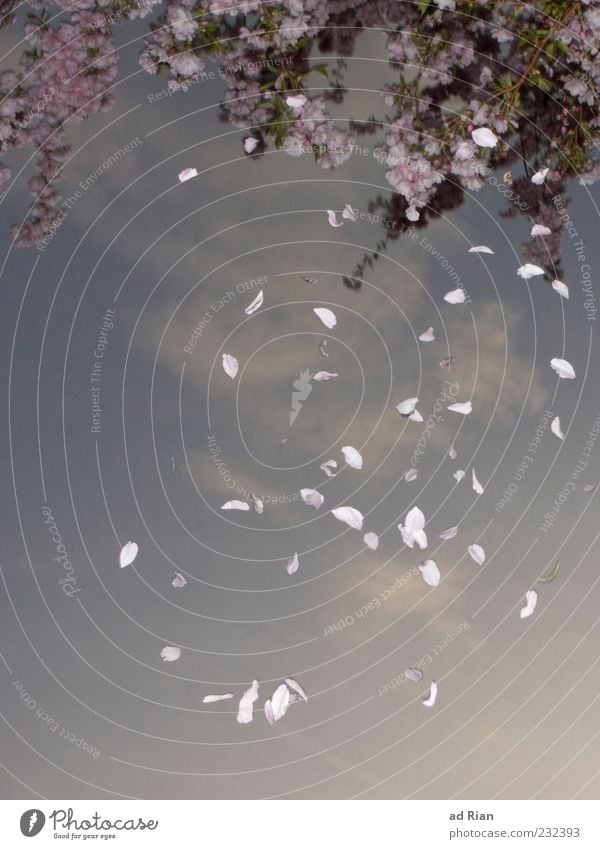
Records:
x=531, y=598
x=452, y=452
x=484, y=137
x=250, y=144
x=218, y=697
x=480, y=249
x=446, y=362
x=561, y=288
x=178, y=581
x=529, y=270
x=324, y=375
x=245, y=708
x=322, y=347
x=235, y=505
x=256, y=303
x=415, y=416
x=427, y=335
x=411, y=475
x=332, y=218
x=128, y=554
x=449, y=533
x=350, y=516
x=295, y=686
x=477, y=553
x=187, y=174
x=312, y=497
x=540, y=230
x=296, y=101
x=259, y=505
x=327, y=467
x=539, y=176
x=352, y=457
x=280, y=701
x=327, y=316
x=292, y=564
x=465, y=408
x=476, y=485
x=405, y=408
x=413, y=674
x=230, y=365
x=350, y=213
x=456, y=296
x=556, y=428
x=170, y=653
x=459, y=474
x=412, y=530
x=590, y=487
x=430, y=573
x=269, y=712
x=432, y=695
x=563, y=368
x=371, y=540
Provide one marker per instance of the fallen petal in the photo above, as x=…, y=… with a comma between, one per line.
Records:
x=464, y=408
x=480, y=249
x=413, y=674
x=230, y=365
x=556, y=428
x=539, y=176
x=250, y=144
x=531, y=598
x=295, y=686
x=178, y=581
x=312, y=497
x=245, y=708
x=256, y=303
x=432, y=695
x=296, y=101
x=187, y=174
x=324, y=375
x=292, y=564
x=410, y=475
x=235, y=505
x=529, y=270
x=540, y=230
x=456, y=296
x=477, y=553
x=430, y=573
x=483, y=137
x=476, y=485
x=561, y=288
x=405, y=408
x=449, y=533
x=170, y=653
x=327, y=466
x=563, y=368
x=258, y=504
x=371, y=540
x=350, y=213
x=452, y=453
x=459, y=474
x=350, y=516
x=332, y=218
x=207, y=700
x=427, y=335
x=352, y=457
x=128, y=554
x=327, y=316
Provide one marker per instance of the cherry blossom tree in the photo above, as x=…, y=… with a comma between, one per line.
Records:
x=526, y=75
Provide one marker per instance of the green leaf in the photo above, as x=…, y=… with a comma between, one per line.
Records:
x=321, y=69
x=423, y=5
x=545, y=579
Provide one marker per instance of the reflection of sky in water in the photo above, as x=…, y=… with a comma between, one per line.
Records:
x=512, y=716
